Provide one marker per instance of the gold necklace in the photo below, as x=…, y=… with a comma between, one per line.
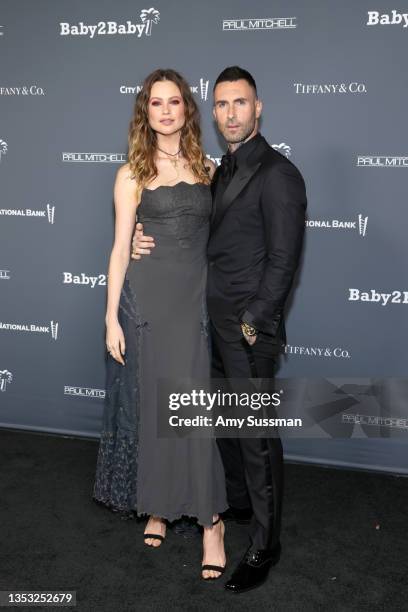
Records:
x=175, y=161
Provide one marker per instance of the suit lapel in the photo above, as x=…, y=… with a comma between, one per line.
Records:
x=240, y=179
x=213, y=188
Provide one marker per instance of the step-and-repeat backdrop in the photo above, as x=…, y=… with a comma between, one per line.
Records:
x=332, y=77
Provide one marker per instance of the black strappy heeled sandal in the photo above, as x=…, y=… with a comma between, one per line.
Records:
x=216, y=568
x=155, y=536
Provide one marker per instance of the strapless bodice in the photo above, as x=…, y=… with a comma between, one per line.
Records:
x=181, y=209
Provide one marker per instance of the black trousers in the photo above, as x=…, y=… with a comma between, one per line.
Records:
x=253, y=466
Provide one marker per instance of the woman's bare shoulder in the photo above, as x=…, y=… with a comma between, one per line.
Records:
x=126, y=188
x=125, y=180
x=124, y=173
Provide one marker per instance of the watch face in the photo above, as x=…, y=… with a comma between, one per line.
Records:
x=248, y=329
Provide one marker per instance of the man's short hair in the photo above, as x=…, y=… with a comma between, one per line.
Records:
x=234, y=73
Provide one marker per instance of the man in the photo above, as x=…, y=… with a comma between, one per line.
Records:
x=257, y=228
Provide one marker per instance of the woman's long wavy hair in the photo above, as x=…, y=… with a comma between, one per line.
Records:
x=142, y=140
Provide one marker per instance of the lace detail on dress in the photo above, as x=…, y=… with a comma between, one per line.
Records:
x=205, y=322
x=182, y=209
x=116, y=471
x=115, y=485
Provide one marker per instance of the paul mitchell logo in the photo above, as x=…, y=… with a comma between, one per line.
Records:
x=360, y=224
x=329, y=88
x=382, y=161
x=104, y=158
x=32, y=327
x=316, y=351
x=266, y=23
x=4, y=274
x=372, y=295
x=83, y=279
x=148, y=17
x=393, y=18
x=32, y=90
x=378, y=421
x=84, y=392
x=48, y=213
x=5, y=378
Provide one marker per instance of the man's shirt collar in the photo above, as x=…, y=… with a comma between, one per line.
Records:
x=245, y=150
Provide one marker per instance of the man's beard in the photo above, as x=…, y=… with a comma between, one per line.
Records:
x=243, y=134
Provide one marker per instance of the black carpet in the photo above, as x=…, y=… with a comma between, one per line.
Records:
x=344, y=540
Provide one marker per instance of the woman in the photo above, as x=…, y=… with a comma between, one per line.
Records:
x=156, y=317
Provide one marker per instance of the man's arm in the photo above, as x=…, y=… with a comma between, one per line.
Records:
x=141, y=244
x=283, y=205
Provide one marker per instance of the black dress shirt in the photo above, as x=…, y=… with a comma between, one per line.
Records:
x=239, y=156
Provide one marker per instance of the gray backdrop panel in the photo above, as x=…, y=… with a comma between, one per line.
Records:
x=75, y=104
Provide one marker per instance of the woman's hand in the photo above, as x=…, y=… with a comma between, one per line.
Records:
x=115, y=341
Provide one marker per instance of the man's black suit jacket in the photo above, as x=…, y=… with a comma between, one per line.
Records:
x=255, y=243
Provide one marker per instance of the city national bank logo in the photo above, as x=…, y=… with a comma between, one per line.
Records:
x=393, y=18
x=382, y=161
x=5, y=379
x=48, y=213
x=83, y=279
x=51, y=329
x=148, y=17
x=84, y=392
x=266, y=23
x=200, y=90
x=317, y=351
x=100, y=158
x=372, y=295
x=360, y=224
x=330, y=88
x=3, y=148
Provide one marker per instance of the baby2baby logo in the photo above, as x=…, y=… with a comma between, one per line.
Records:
x=147, y=17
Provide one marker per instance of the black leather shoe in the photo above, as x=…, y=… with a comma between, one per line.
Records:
x=242, y=516
x=253, y=569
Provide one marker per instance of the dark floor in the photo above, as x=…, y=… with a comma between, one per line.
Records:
x=344, y=540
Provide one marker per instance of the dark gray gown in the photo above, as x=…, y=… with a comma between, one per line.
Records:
x=163, y=315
